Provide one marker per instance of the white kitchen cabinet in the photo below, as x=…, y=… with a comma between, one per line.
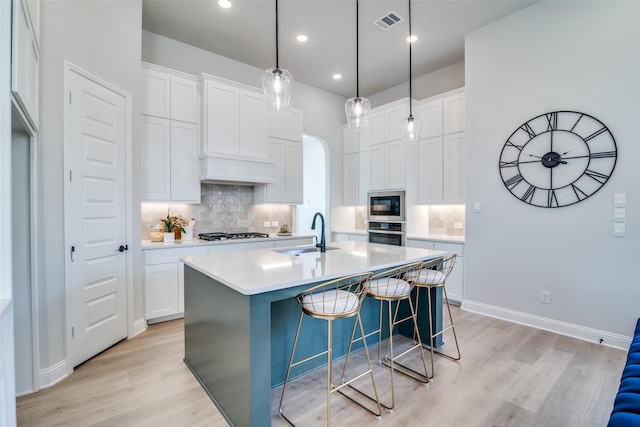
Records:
x=355, y=179
x=234, y=119
x=288, y=178
x=343, y=236
x=286, y=124
x=169, y=152
x=384, y=121
x=441, y=150
x=164, y=281
x=455, y=282
x=170, y=94
x=170, y=136
x=387, y=166
x=161, y=290
x=25, y=58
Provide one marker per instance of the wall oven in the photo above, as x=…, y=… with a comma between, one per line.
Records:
x=387, y=233
x=386, y=206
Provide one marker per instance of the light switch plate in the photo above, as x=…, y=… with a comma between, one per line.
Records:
x=477, y=207
x=619, y=230
x=619, y=214
x=275, y=223
x=267, y=223
x=620, y=200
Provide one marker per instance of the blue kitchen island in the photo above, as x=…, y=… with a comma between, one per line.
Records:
x=241, y=316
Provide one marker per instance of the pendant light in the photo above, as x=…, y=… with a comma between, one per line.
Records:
x=411, y=125
x=277, y=82
x=357, y=108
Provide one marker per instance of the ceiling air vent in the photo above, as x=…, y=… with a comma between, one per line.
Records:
x=388, y=21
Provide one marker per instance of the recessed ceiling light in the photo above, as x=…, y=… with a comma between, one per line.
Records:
x=225, y=4
x=337, y=76
x=412, y=39
x=302, y=38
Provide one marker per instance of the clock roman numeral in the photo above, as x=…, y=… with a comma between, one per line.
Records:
x=511, y=144
x=600, y=177
x=528, y=195
x=581, y=195
x=525, y=127
x=596, y=133
x=602, y=155
x=552, y=119
x=576, y=123
x=509, y=164
x=552, y=199
x=513, y=181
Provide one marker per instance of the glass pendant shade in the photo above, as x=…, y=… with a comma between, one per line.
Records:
x=410, y=128
x=357, y=110
x=276, y=84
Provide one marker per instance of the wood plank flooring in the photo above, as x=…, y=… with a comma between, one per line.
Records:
x=509, y=375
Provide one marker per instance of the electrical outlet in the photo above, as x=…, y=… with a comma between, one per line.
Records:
x=267, y=223
x=275, y=223
x=457, y=225
x=545, y=297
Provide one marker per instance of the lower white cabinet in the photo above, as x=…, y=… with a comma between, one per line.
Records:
x=343, y=236
x=164, y=273
x=455, y=282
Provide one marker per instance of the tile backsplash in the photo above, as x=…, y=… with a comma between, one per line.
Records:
x=227, y=208
x=443, y=220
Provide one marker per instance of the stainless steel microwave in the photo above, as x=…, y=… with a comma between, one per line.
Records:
x=386, y=206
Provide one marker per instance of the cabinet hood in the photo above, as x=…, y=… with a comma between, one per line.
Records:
x=216, y=168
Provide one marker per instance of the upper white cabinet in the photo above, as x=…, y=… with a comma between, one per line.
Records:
x=355, y=166
x=387, y=166
x=170, y=136
x=235, y=144
x=384, y=121
x=441, y=149
x=285, y=151
x=25, y=58
x=286, y=124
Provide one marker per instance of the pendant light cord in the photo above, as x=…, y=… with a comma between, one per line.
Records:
x=357, y=53
x=410, y=42
x=277, y=66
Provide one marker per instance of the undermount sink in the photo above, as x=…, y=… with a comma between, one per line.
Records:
x=302, y=250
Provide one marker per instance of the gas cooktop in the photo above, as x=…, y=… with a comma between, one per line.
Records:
x=218, y=235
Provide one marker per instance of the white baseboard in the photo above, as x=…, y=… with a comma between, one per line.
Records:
x=54, y=374
x=139, y=326
x=571, y=330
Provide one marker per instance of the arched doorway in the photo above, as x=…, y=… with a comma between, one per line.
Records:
x=316, y=189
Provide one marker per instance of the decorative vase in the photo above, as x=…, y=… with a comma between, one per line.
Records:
x=156, y=233
x=177, y=233
x=169, y=238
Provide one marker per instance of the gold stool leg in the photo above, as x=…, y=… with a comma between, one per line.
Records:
x=450, y=327
x=286, y=379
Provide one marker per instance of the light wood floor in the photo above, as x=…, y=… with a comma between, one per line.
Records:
x=510, y=375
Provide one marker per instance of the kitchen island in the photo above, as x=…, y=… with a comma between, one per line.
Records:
x=241, y=316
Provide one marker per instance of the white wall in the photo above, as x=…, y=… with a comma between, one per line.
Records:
x=552, y=56
x=425, y=86
x=104, y=38
x=314, y=186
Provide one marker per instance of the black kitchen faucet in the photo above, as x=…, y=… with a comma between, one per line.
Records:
x=322, y=245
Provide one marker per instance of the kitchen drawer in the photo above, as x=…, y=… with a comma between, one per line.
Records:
x=165, y=255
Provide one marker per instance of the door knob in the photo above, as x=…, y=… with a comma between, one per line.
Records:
x=123, y=248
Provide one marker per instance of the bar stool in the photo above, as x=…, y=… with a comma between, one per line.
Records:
x=434, y=274
x=336, y=299
x=390, y=286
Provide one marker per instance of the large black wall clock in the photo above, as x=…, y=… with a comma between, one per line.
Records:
x=558, y=159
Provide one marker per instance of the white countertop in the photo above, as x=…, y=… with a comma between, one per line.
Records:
x=147, y=244
x=264, y=270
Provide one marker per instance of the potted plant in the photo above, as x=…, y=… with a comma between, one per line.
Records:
x=175, y=226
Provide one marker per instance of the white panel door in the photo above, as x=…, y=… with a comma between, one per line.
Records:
x=185, y=100
x=185, y=173
x=253, y=125
x=220, y=117
x=294, y=173
x=155, y=150
x=454, y=168
x=430, y=176
x=95, y=216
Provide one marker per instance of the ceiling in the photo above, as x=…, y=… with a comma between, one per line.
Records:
x=246, y=33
